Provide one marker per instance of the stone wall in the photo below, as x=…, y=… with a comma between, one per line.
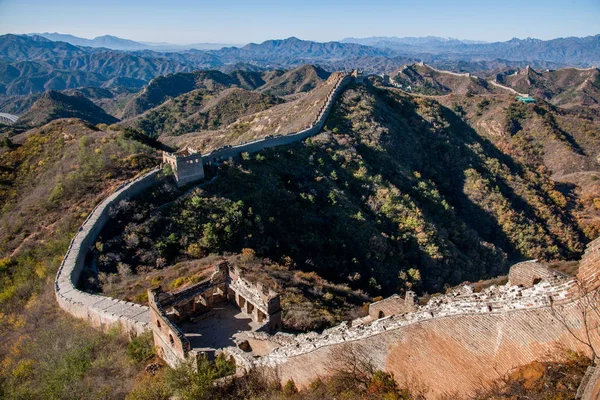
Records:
x=105, y=312
x=450, y=354
x=589, y=272
x=167, y=309
x=590, y=386
x=457, y=341
x=101, y=312
x=227, y=152
x=393, y=305
x=171, y=344
x=454, y=343
x=528, y=273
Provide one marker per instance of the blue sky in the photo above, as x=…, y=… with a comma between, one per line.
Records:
x=236, y=21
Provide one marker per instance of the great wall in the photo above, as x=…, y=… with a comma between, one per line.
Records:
x=104, y=312
x=477, y=336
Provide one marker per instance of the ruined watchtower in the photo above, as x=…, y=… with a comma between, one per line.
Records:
x=176, y=317
x=358, y=76
x=186, y=164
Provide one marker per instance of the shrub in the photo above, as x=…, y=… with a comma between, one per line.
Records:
x=150, y=388
x=141, y=348
x=289, y=389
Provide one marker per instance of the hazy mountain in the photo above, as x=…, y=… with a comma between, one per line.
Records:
x=117, y=43
x=107, y=41
x=583, y=51
x=415, y=41
x=22, y=48
x=32, y=64
x=283, y=50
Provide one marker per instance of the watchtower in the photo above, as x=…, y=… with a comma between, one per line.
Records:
x=186, y=164
x=358, y=76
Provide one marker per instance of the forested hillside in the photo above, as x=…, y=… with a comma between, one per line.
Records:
x=398, y=193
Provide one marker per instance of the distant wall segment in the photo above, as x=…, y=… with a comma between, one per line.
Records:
x=224, y=153
x=8, y=118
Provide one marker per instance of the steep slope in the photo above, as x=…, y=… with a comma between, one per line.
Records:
x=426, y=80
x=275, y=82
x=163, y=87
x=201, y=109
x=401, y=194
x=568, y=87
x=563, y=142
x=302, y=79
x=112, y=100
x=48, y=185
x=53, y=105
x=279, y=119
x=17, y=105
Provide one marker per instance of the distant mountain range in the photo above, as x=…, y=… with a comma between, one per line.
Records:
x=573, y=51
x=413, y=41
x=33, y=64
x=117, y=43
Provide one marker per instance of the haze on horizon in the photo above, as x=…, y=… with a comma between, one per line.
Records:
x=237, y=21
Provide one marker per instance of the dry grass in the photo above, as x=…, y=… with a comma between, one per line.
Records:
x=282, y=119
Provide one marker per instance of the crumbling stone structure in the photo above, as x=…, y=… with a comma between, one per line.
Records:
x=529, y=273
x=100, y=311
x=186, y=164
x=393, y=305
x=169, y=309
x=458, y=341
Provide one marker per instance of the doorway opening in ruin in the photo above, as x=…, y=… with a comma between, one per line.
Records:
x=381, y=314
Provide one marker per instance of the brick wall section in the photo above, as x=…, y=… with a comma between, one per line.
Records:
x=450, y=354
x=591, y=390
x=589, y=267
x=101, y=312
x=457, y=341
x=527, y=273
x=171, y=343
x=227, y=152
x=393, y=305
